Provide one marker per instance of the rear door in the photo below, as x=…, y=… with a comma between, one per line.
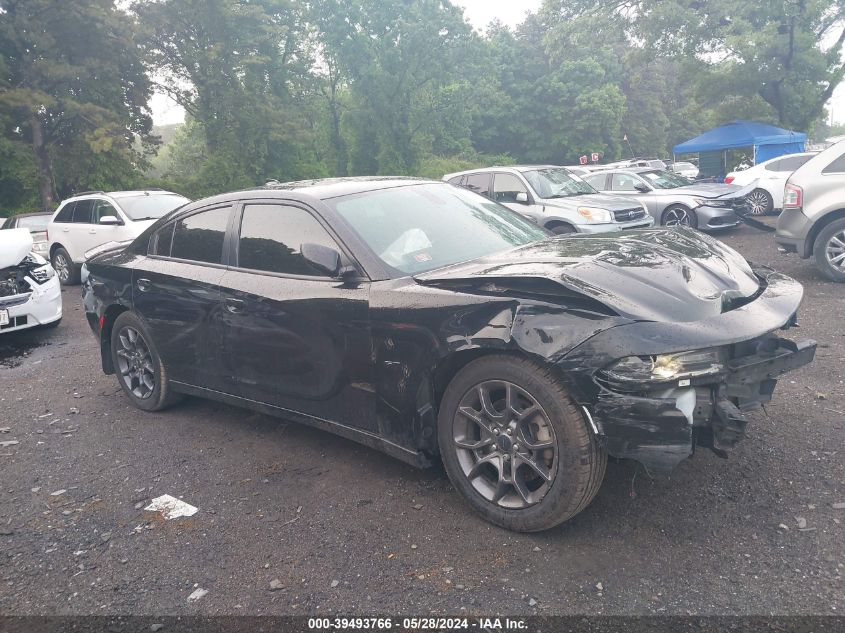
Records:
x=75, y=235
x=292, y=337
x=176, y=292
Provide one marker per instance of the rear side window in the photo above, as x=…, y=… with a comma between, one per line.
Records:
x=82, y=212
x=479, y=183
x=199, y=237
x=66, y=214
x=836, y=167
x=272, y=236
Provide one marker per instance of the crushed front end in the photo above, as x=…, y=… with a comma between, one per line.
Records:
x=658, y=390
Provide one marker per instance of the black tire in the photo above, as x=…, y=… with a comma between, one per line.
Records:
x=67, y=271
x=826, y=247
x=760, y=202
x=153, y=392
x=668, y=218
x=561, y=229
x=575, y=472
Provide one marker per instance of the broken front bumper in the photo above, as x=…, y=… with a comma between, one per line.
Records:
x=661, y=427
x=660, y=423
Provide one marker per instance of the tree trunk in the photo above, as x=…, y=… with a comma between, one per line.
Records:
x=45, y=166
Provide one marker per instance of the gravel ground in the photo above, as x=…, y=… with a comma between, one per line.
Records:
x=345, y=529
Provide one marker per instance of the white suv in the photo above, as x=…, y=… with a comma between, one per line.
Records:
x=94, y=218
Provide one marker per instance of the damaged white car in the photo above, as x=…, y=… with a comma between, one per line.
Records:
x=30, y=293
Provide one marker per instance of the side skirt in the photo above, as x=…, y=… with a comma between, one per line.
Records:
x=414, y=458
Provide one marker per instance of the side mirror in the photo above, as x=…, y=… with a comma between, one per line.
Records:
x=521, y=197
x=323, y=258
x=642, y=188
x=110, y=220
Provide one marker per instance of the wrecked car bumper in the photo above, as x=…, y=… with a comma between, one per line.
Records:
x=660, y=422
x=41, y=306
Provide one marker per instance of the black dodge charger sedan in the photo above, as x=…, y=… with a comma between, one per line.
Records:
x=431, y=323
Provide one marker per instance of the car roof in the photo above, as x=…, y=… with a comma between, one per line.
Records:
x=120, y=194
x=517, y=168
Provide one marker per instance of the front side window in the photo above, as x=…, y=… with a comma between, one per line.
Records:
x=624, y=182
x=102, y=209
x=557, y=183
x=418, y=228
x=271, y=239
x=199, y=237
x=506, y=187
x=597, y=181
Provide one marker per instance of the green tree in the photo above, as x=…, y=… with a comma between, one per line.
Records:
x=74, y=85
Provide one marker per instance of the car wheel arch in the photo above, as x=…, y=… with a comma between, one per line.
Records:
x=818, y=226
x=54, y=247
x=109, y=317
x=552, y=224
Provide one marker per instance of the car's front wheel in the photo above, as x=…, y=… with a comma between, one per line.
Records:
x=679, y=215
x=516, y=446
x=138, y=366
x=829, y=251
x=67, y=271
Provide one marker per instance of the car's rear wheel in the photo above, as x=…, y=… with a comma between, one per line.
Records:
x=679, y=215
x=67, y=271
x=138, y=366
x=829, y=251
x=759, y=202
x=516, y=446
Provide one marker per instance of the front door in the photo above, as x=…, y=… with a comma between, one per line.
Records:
x=511, y=191
x=292, y=337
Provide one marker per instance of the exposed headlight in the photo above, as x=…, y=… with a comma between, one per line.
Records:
x=592, y=214
x=665, y=367
x=714, y=202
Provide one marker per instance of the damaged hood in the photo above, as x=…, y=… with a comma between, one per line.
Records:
x=672, y=274
x=15, y=244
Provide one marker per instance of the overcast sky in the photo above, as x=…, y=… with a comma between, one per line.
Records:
x=480, y=13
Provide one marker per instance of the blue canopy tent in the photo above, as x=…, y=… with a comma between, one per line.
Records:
x=768, y=141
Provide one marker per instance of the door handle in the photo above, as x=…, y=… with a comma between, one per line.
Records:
x=143, y=284
x=65, y=229
x=92, y=231
x=235, y=306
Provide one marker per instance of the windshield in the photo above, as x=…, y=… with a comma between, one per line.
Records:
x=418, y=228
x=557, y=183
x=150, y=206
x=34, y=223
x=665, y=179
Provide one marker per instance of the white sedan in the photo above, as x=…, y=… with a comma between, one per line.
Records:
x=771, y=176
x=30, y=294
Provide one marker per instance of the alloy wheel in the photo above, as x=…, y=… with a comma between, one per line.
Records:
x=835, y=251
x=758, y=202
x=505, y=444
x=62, y=267
x=677, y=216
x=135, y=363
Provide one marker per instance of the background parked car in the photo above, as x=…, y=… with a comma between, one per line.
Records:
x=37, y=225
x=95, y=217
x=687, y=170
x=554, y=198
x=771, y=176
x=812, y=223
x=673, y=199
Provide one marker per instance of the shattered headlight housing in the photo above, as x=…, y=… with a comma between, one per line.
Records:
x=666, y=368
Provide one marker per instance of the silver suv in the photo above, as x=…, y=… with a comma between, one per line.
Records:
x=554, y=198
x=812, y=223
